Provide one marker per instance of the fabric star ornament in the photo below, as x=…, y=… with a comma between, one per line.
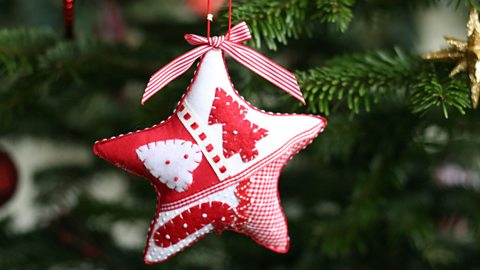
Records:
x=215, y=163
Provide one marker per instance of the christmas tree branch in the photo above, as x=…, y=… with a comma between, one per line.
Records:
x=362, y=79
x=434, y=88
x=19, y=47
x=338, y=12
x=276, y=21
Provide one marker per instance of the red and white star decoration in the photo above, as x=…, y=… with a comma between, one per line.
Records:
x=215, y=164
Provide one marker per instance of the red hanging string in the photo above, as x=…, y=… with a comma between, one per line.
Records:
x=209, y=18
x=68, y=17
x=229, y=18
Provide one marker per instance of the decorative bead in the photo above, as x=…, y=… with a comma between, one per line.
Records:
x=194, y=126
x=204, y=215
x=209, y=148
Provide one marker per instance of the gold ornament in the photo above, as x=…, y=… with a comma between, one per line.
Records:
x=466, y=54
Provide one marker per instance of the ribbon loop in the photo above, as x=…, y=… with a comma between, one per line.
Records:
x=195, y=40
x=240, y=33
x=230, y=44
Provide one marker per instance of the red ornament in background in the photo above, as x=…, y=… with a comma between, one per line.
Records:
x=200, y=6
x=8, y=178
x=68, y=6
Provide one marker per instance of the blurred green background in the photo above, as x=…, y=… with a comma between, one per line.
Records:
x=383, y=187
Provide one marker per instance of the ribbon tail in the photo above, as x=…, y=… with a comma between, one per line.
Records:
x=265, y=68
x=172, y=70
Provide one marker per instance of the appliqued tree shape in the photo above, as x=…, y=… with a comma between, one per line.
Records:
x=239, y=134
x=171, y=161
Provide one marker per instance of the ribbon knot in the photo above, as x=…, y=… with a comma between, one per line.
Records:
x=216, y=41
x=232, y=46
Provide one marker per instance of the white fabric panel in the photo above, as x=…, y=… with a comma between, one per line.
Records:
x=282, y=128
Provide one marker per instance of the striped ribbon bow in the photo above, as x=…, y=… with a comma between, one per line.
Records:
x=256, y=62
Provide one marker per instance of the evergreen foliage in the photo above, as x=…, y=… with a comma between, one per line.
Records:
x=358, y=79
x=18, y=47
x=361, y=80
x=275, y=21
x=435, y=88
